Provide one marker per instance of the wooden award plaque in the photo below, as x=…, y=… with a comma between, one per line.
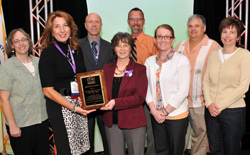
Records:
x=92, y=89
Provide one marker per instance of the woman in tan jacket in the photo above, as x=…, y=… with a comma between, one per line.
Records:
x=225, y=83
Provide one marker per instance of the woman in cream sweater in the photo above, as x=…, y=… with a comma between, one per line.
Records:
x=168, y=75
x=225, y=83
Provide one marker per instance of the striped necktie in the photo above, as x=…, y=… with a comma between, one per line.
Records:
x=93, y=48
x=134, y=52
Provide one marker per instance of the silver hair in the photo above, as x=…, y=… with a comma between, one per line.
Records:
x=197, y=16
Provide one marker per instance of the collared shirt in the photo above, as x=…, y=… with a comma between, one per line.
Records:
x=26, y=96
x=198, y=58
x=145, y=47
x=97, y=41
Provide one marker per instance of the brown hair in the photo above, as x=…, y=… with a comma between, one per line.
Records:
x=136, y=9
x=231, y=22
x=123, y=37
x=165, y=26
x=47, y=37
x=10, y=39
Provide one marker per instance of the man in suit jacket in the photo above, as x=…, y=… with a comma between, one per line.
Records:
x=104, y=55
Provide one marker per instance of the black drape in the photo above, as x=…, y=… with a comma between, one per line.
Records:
x=77, y=9
x=16, y=13
x=213, y=11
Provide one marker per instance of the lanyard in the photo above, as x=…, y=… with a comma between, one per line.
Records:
x=73, y=65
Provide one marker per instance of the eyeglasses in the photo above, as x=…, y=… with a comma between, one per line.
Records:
x=165, y=37
x=23, y=40
x=133, y=19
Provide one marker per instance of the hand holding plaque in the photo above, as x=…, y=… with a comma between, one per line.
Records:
x=109, y=106
x=92, y=89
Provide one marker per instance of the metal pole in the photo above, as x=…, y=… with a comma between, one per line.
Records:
x=227, y=7
x=31, y=21
x=37, y=24
x=232, y=10
x=246, y=24
x=36, y=17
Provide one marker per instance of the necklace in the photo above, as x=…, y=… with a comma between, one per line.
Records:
x=120, y=72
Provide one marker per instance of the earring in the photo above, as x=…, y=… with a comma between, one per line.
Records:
x=13, y=51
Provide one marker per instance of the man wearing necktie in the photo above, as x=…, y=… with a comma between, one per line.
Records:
x=96, y=53
x=144, y=47
x=94, y=50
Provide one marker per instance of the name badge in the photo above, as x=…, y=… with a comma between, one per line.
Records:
x=74, y=88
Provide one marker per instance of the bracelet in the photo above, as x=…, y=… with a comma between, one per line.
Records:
x=166, y=111
x=74, y=108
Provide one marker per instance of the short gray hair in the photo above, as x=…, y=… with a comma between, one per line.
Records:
x=197, y=16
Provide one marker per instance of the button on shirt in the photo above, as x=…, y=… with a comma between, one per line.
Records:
x=26, y=96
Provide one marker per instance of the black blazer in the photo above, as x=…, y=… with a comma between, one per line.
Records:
x=106, y=54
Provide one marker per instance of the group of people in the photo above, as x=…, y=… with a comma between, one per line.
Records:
x=154, y=90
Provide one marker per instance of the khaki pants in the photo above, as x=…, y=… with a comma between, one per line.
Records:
x=199, y=132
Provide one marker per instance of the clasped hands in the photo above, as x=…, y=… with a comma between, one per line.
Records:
x=159, y=115
x=214, y=109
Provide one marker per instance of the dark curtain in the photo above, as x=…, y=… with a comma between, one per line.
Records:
x=214, y=11
x=16, y=13
x=77, y=9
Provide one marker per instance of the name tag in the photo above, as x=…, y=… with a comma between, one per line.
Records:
x=74, y=88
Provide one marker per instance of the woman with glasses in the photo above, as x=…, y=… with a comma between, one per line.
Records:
x=22, y=98
x=168, y=75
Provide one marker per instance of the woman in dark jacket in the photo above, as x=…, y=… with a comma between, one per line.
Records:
x=126, y=82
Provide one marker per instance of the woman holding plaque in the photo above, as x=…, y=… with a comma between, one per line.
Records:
x=168, y=74
x=225, y=83
x=126, y=82
x=60, y=61
x=22, y=98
